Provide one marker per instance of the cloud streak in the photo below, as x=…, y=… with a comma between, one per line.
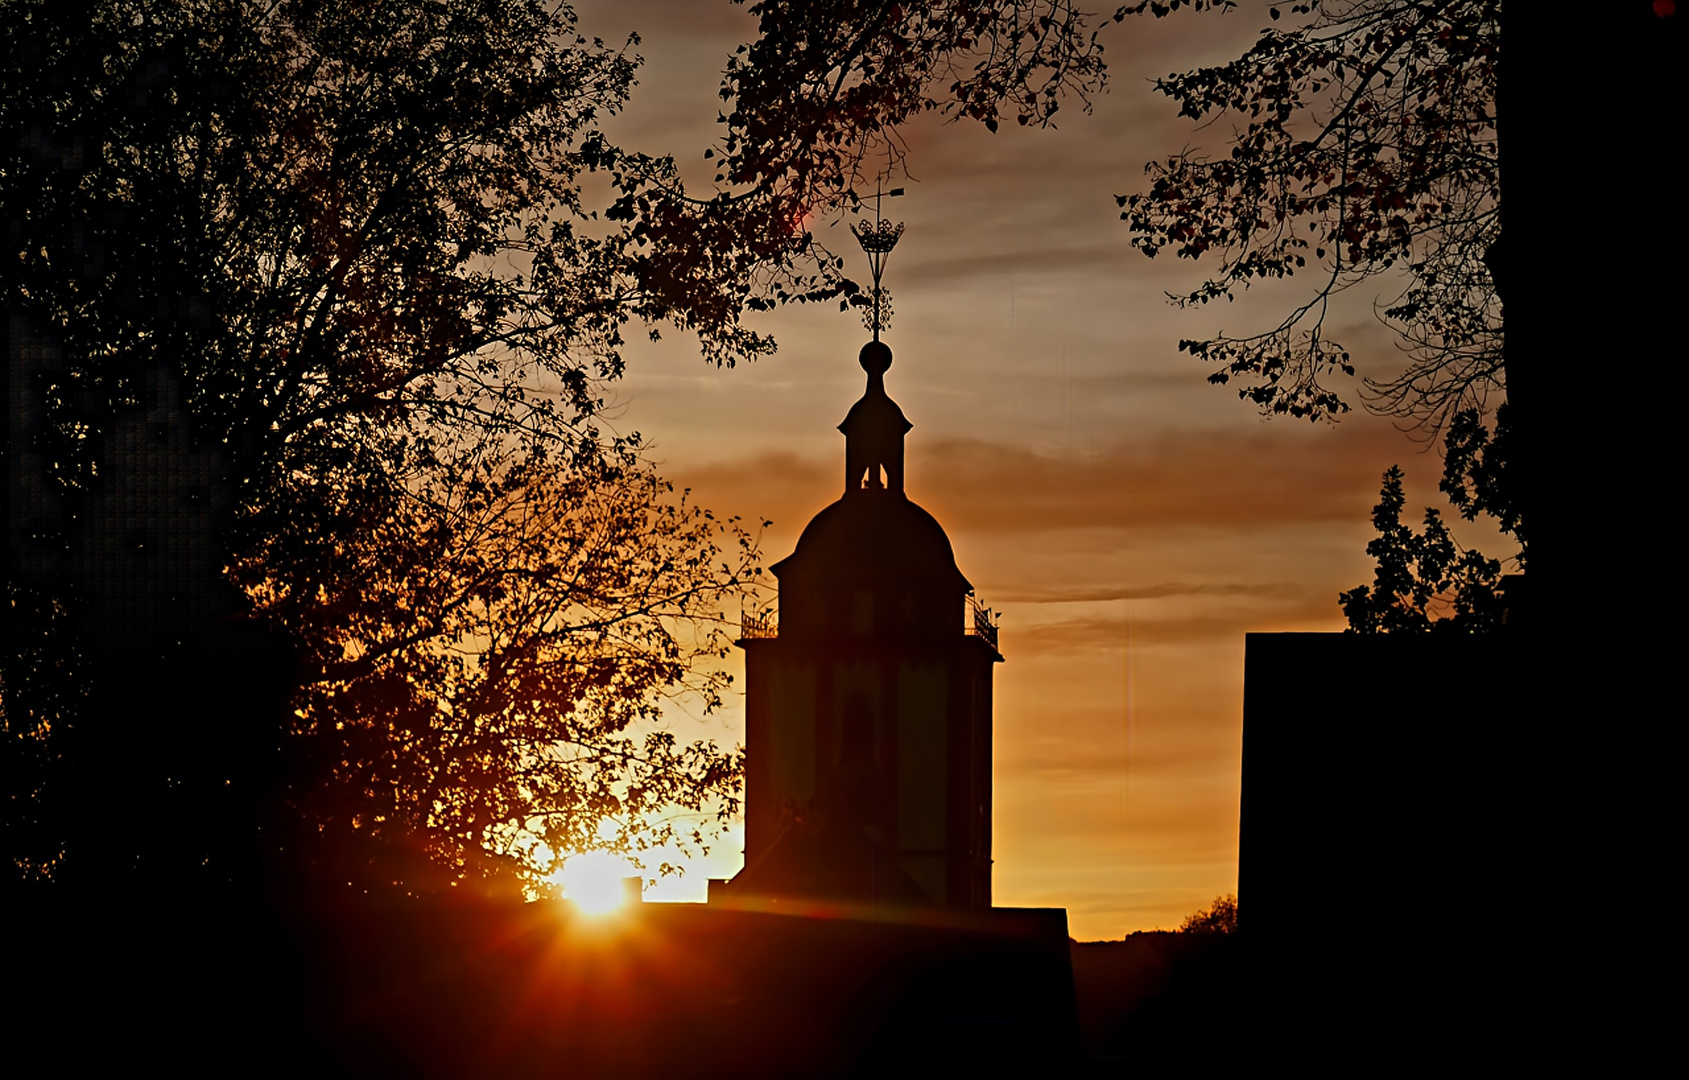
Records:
x=1073, y=636
x=1160, y=591
x=1180, y=478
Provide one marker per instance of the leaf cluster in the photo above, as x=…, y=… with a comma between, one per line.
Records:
x=1423, y=581
x=814, y=105
x=1363, y=146
x=1477, y=476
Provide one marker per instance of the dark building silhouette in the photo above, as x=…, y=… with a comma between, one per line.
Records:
x=1384, y=885
x=868, y=703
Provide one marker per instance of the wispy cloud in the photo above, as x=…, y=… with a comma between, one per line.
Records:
x=1160, y=591
x=1072, y=636
x=1178, y=478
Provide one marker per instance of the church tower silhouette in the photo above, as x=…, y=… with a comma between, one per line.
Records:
x=869, y=701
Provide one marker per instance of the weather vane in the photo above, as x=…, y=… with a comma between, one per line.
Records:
x=877, y=240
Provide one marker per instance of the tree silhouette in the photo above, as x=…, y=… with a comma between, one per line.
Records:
x=813, y=106
x=352, y=240
x=1424, y=580
x=1220, y=917
x=470, y=678
x=1477, y=472
x=1365, y=151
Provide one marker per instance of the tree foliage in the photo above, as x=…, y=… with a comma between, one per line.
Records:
x=43, y=678
x=1364, y=151
x=1220, y=917
x=477, y=659
x=1422, y=580
x=1425, y=580
x=1477, y=473
x=357, y=237
x=825, y=85
x=813, y=106
x=335, y=214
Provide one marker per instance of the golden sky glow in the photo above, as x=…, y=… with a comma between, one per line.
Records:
x=1129, y=521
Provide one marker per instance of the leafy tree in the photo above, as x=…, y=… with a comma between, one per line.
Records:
x=473, y=676
x=1424, y=580
x=1477, y=472
x=824, y=87
x=813, y=105
x=1220, y=917
x=1365, y=149
x=354, y=238
x=1365, y=152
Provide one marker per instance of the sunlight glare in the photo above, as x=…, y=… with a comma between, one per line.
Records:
x=593, y=880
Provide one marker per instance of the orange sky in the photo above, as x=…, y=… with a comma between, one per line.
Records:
x=1129, y=521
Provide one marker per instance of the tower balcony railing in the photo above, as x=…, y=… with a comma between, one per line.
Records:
x=753, y=627
x=981, y=622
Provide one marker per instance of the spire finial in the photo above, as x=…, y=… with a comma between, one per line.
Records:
x=875, y=358
x=877, y=240
x=874, y=430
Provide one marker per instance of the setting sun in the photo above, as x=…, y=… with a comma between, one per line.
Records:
x=593, y=880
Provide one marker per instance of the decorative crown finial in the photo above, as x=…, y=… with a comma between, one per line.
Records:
x=877, y=240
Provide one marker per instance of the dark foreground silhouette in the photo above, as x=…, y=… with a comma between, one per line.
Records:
x=468, y=985
x=471, y=986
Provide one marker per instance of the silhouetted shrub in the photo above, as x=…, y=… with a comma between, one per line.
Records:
x=1219, y=917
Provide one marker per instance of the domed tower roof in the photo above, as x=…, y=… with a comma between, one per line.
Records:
x=874, y=532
